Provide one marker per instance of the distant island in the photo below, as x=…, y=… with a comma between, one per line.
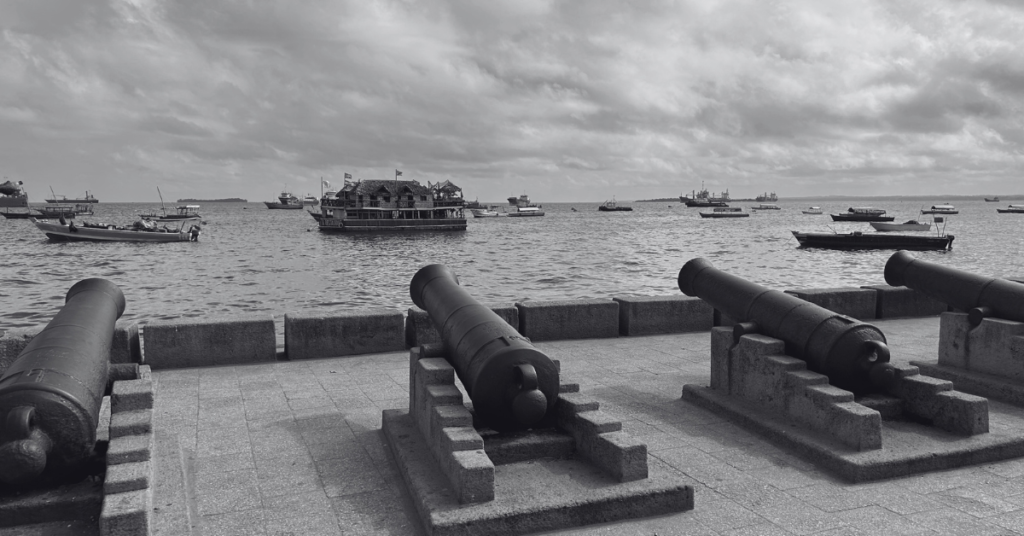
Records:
x=228, y=200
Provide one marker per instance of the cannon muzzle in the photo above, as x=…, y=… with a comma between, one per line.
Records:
x=512, y=384
x=50, y=396
x=980, y=296
x=853, y=354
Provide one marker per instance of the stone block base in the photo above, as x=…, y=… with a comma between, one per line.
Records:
x=976, y=383
x=540, y=495
x=908, y=447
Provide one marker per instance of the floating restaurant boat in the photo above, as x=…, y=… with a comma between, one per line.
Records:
x=141, y=231
x=1012, y=209
x=705, y=199
x=766, y=206
x=725, y=212
x=909, y=225
x=613, y=206
x=859, y=240
x=286, y=201
x=940, y=209
x=64, y=199
x=394, y=205
x=862, y=214
x=812, y=210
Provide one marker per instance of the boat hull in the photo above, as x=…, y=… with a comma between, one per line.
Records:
x=525, y=213
x=64, y=233
x=614, y=209
x=335, y=225
x=812, y=212
x=893, y=227
x=17, y=215
x=1010, y=210
x=283, y=206
x=861, y=217
x=853, y=241
x=724, y=215
x=940, y=212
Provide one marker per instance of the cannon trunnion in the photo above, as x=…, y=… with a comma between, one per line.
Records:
x=51, y=394
x=853, y=354
x=513, y=385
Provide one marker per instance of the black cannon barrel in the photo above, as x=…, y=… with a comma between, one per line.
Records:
x=50, y=396
x=853, y=354
x=980, y=296
x=512, y=384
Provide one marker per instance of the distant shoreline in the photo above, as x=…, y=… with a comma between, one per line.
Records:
x=960, y=197
x=226, y=200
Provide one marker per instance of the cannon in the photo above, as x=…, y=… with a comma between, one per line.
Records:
x=513, y=385
x=853, y=354
x=50, y=395
x=980, y=296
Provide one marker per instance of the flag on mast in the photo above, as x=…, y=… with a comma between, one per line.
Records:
x=398, y=173
x=348, y=176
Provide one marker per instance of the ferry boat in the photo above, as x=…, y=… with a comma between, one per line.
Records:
x=941, y=209
x=1012, y=209
x=394, y=205
x=725, y=212
x=862, y=214
x=287, y=201
x=771, y=198
x=705, y=199
x=64, y=199
x=766, y=206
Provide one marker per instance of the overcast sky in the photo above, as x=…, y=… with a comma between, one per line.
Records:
x=564, y=101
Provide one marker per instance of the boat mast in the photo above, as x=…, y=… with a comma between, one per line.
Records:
x=162, y=209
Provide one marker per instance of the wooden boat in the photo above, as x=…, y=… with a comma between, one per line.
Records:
x=725, y=212
x=940, y=209
x=56, y=211
x=909, y=225
x=812, y=210
x=287, y=201
x=613, y=206
x=1012, y=209
x=992, y=199
x=862, y=214
x=393, y=205
x=766, y=206
x=64, y=199
x=141, y=231
x=859, y=240
x=182, y=212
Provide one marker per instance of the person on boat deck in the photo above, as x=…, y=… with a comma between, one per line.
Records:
x=62, y=220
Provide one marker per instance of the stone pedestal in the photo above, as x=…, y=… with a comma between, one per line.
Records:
x=581, y=469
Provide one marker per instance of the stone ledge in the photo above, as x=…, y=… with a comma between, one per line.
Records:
x=126, y=514
x=653, y=315
x=182, y=343
x=319, y=335
x=570, y=319
x=131, y=395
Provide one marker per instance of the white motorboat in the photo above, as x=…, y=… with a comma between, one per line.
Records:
x=812, y=210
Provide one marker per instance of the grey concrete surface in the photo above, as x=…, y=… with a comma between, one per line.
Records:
x=295, y=448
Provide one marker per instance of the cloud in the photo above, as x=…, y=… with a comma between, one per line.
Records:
x=565, y=97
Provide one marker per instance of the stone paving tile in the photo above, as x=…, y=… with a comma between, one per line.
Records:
x=220, y=493
x=877, y=520
x=953, y=522
x=249, y=523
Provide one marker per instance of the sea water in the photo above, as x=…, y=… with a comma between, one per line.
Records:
x=251, y=259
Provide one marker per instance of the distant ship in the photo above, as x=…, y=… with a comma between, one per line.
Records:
x=768, y=198
x=225, y=200
x=64, y=199
x=705, y=199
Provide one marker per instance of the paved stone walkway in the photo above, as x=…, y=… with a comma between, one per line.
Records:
x=294, y=448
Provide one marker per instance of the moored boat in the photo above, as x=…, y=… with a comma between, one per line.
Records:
x=766, y=206
x=862, y=214
x=703, y=198
x=522, y=212
x=64, y=199
x=310, y=200
x=909, y=225
x=613, y=206
x=724, y=212
x=1012, y=209
x=485, y=212
x=992, y=199
x=286, y=201
x=56, y=211
x=941, y=209
x=12, y=194
x=182, y=212
x=394, y=205
x=141, y=231
x=812, y=210
x=859, y=240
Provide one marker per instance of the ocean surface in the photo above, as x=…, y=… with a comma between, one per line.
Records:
x=251, y=259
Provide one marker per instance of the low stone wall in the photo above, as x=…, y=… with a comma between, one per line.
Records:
x=250, y=338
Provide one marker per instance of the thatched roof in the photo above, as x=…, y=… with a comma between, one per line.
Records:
x=385, y=187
